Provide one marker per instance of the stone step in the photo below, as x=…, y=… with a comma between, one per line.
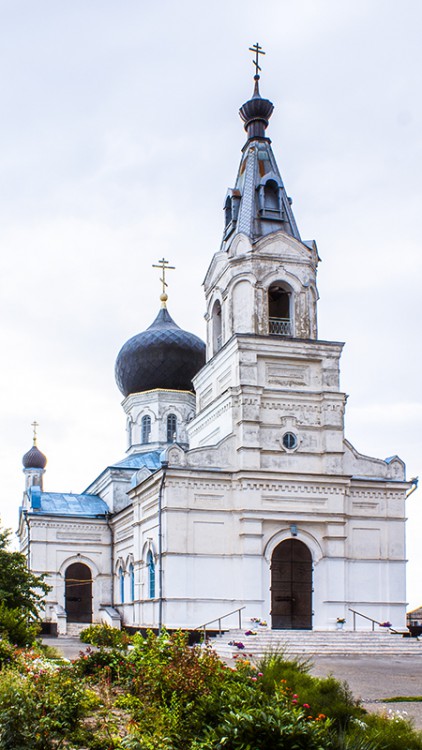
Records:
x=74, y=629
x=308, y=643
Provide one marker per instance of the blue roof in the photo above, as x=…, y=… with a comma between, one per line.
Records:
x=137, y=460
x=67, y=504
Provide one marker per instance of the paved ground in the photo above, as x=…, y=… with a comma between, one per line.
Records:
x=68, y=647
x=370, y=678
x=373, y=678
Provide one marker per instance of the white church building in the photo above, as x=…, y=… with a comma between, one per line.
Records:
x=238, y=488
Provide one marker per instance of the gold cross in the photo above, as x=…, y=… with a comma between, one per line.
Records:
x=258, y=51
x=164, y=265
x=35, y=424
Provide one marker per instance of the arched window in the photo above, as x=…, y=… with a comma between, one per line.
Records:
x=145, y=429
x=151, y=575
x=132, y=582
x=279, y=310
x=216, y=327
x=122, y=585
x=171, y=428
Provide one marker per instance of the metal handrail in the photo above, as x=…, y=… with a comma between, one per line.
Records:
x=218, y=619
x=371, y=619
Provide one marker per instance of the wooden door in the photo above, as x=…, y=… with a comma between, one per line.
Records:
x=78, y=593
x=291, y=586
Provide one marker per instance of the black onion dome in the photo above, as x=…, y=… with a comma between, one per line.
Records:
x=256, y=113
x=163, y=356
x=34, y=459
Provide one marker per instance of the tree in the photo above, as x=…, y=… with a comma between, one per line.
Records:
x=22, y=594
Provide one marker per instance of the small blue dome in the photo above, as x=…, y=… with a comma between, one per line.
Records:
x=163, y=356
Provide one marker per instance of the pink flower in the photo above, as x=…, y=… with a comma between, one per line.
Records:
x=294, y=702
x=260, y=674
x=306, y=705
x=253, y=679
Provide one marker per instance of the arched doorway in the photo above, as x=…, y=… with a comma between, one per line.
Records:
x=291, y=586
x=78, y=593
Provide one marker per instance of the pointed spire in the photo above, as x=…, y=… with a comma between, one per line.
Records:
x=258, y=205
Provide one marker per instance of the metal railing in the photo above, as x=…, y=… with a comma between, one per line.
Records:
x=280, y=326
x=371, y=619
x=218, y=619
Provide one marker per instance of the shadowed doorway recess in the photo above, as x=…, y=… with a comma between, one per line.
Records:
x=78, y=593
x=291, y=586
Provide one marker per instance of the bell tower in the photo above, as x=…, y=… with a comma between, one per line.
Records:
x=268, y=381
x=263, y=279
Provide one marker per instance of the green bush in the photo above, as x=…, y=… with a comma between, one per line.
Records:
x=389, y=731
x=105, y=635
x=320, y=696
x=16, y=626
x=175, y=690
x=165, y=695
x=273, y=726
x=104, y=662
x=185, y=698
x=6, y=653
x=38, y=711
x=167, y=664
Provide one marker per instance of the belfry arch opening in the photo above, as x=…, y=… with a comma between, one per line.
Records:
x=228, y=211
x=291, y=586
x=217, y=328
x=272, y=197
x=78, y=593
x=279, y=310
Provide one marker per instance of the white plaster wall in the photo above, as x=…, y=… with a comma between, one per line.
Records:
x=58, y=542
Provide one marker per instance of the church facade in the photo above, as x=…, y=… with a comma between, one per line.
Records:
x=239, y=489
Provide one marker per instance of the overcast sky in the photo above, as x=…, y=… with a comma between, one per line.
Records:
x=119, y=136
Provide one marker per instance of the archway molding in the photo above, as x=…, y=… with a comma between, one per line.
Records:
x=303, y=536
x=79, y=559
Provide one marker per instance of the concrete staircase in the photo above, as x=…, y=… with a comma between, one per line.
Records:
x=310, y=643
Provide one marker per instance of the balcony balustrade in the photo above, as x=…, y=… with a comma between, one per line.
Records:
x=280, y=326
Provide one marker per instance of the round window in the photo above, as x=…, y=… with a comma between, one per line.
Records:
x=289, y=441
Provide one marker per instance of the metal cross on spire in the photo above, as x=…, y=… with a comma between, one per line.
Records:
x=164, y=265
x=35, y=424
x=258, y=51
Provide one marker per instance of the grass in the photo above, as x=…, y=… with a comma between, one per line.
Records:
x=403, y=699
